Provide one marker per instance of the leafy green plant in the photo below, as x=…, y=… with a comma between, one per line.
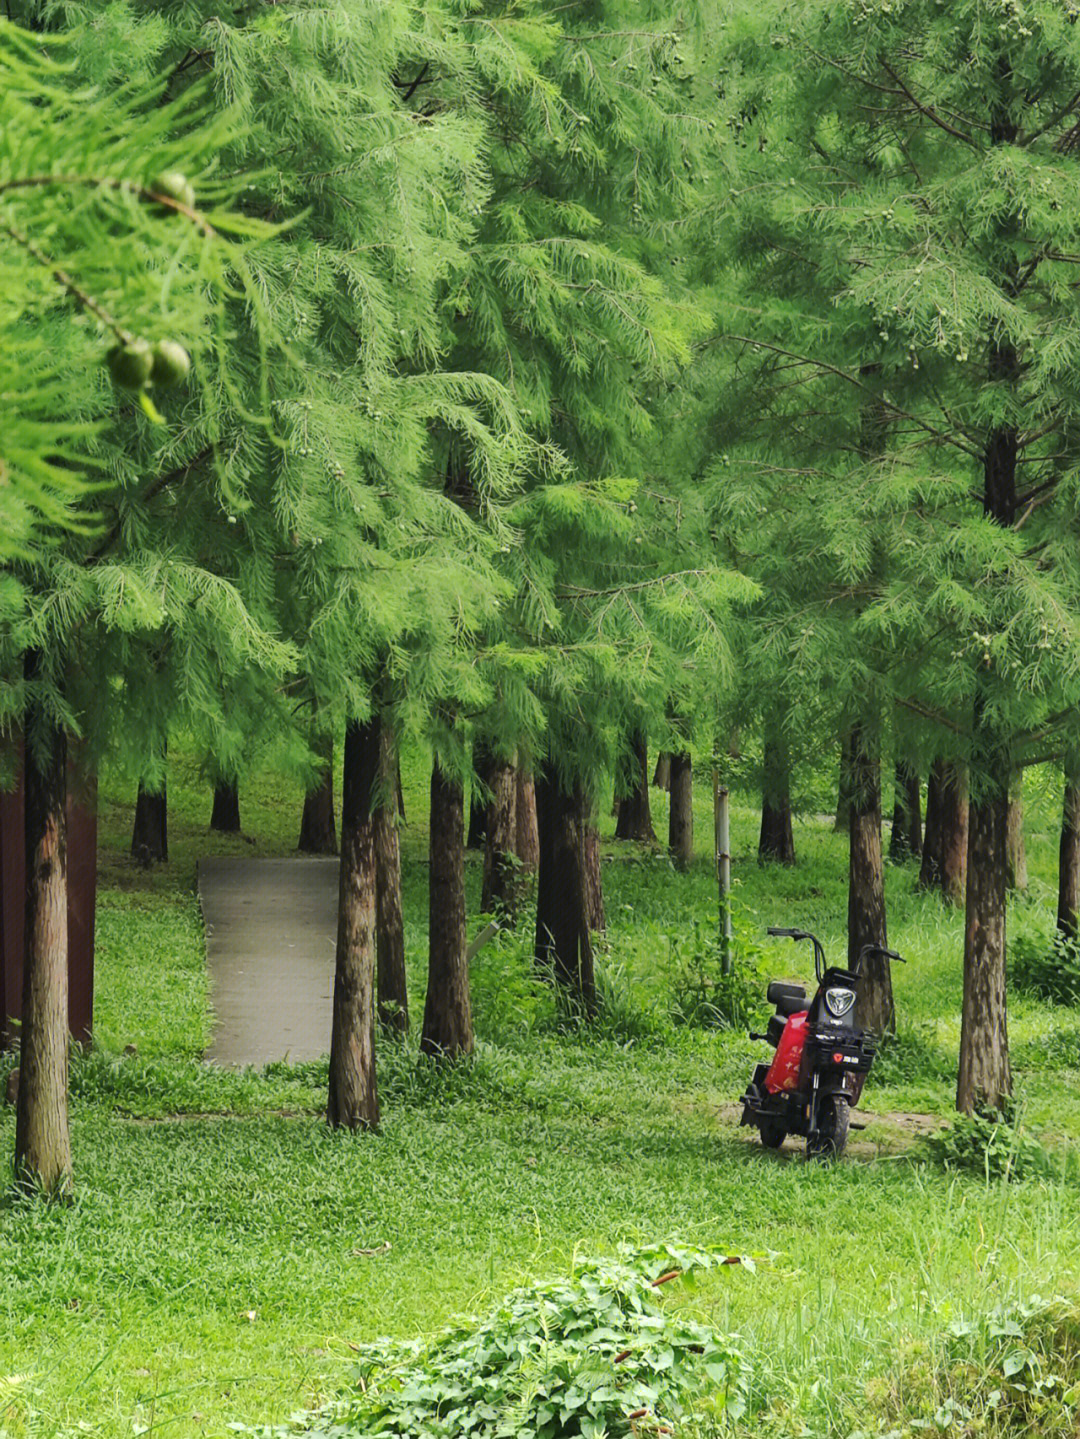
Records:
x=993, y=1143
x=702, y=995
x=911, y=1055
x=1048, y=970
x=594, y=1356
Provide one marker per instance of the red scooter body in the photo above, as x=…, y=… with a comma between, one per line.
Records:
x=784, y=1070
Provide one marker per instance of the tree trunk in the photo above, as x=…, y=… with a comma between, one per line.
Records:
x=318, y=833
x=42, y=1140
x=952, y=833
x=225, y=816
x=635, y=817
x=353, y=1099
x=563, y=948
x=905, y=842
x=843, y=786
x=931, y=868
x=150, y=832
x=681, y=810
x=777, y=841
x=527, y=843
x=595, y=916
x=484, y=765
x=448, y=1028
x=1068, y=909
x=1017, y=850
x=662, y=773
x=985, y=1078
x=866, y=885
x=392, y=989
x=500, y=891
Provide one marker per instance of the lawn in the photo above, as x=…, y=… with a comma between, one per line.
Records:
x=225, y=1253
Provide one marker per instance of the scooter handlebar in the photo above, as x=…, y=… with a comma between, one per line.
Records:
x=885, y=953
x=787, y=933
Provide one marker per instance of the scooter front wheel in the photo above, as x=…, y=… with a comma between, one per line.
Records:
x=830, y=1139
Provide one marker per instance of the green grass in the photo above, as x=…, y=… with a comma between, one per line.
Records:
x=211, y=1268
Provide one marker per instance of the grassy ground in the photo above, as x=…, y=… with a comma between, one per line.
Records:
x=224, y=1251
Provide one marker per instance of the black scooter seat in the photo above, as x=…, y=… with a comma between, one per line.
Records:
x=789, y=999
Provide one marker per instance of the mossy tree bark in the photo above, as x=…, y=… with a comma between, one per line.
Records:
x=225, y=815
x=527, y=842
x=681, y=809
x=501, y=883
x=353, y=1100
x=392, y=989
x=952, y=833
x=42, y=1137
x=866, y=884
x=448, y=1027
x=150, y=832
x=318, y=832
x=1017, y=850
x=777, y=840
x=563, y=947
x=595, y=915
x=662, y=773
x=905, y=841
x=1068, y=907
x=635, y=815
x=930, y=869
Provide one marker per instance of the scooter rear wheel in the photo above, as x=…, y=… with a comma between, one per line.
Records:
x=773, y=1133
x=830, y=1140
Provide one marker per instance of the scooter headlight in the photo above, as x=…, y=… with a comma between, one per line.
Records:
x=839, y=1001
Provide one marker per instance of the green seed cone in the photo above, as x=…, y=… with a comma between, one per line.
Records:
x=171, y=365
x=130, y=365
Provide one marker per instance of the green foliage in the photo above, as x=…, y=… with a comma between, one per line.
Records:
x=702, y=994
x=594, y=1355
x=1048, y=970
x=998, y=1146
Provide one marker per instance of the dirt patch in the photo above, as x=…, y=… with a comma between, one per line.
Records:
x=880, y=1134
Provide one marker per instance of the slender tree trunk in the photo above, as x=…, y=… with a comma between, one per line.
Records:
x=318, y=833
x=662, y=773
x=353, y=1100
x=866, y=885
x=501, y=885
x=1068, y=909
x=225, y=816
x=635, y=817
x=930, y=869
x=681, y=810
x=952, y=835
x=42, y=1140
x=1017, y=850
x=484, y=765
x=777, y=840
x=563, y=948
x=448, y=1027
x=527, y=843
x=905, y=842
x=843, y=785
x=985, y=1077
x=595, y=917
x=392, y=989
x=150, y=832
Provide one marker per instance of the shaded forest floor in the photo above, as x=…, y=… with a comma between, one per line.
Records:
x=225, y=1252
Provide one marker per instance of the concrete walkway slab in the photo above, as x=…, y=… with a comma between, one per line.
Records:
x=271, y=928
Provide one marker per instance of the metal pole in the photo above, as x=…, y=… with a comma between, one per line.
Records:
x=722, y=815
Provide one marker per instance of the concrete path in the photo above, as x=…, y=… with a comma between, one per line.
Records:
x=271, y=927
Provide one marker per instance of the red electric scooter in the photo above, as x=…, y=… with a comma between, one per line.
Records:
x=817, y=1074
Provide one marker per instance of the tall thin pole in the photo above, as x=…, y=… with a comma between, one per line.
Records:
x=722, y=818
